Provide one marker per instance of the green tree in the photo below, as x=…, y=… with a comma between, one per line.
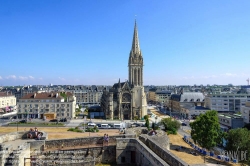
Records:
x=86, y=111
x=147, y=123
x=205, y=130
x=171, y=125
x=146, y=117
x=238, y=140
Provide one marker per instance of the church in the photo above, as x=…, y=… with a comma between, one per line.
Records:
x=127, y=100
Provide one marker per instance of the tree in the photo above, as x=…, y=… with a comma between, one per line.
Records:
x=205, y=130
x=238, y=140
x=171, y=125
x=147, y=123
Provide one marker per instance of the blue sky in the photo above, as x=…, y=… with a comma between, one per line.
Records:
x=85, y=42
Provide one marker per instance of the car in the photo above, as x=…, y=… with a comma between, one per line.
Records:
x=23, y=121
x=136, y=125
x=63, y=120
x=91, y=125
x=183, y=124
x=98, y=125
x=54, y=120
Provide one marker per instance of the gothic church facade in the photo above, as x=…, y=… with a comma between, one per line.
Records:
x=127, y=100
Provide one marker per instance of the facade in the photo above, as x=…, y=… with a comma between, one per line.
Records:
x=127, y=100
x=191, y=111
x=226, y=102
x=49, y=105
x=87, y=95
x=191, y=98
x=245, y=112
x=7, y=102
x=231, y=121
x=162, y=96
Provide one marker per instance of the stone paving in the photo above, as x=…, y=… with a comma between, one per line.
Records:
x=17, y=142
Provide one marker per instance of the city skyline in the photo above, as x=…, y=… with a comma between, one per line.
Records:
x=88, y=43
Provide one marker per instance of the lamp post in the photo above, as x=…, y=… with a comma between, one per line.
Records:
x=17, y=126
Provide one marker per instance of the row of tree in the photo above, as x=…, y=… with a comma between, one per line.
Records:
x=206, y=132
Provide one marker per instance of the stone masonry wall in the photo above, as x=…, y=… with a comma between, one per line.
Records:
x=128, y=148
x=50, y=144
x=11, y=136
x=163, y=153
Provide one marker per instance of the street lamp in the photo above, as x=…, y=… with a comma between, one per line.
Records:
x=17, y=125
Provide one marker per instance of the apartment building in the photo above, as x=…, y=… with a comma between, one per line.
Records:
x=7, y=102
x=176, y=100
x=231, y=121
x=162, y=96
x=226, y=102
x=47, y=105
x=245, y=112
x=87, y=95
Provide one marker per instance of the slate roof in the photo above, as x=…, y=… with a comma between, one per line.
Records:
x=188, y=97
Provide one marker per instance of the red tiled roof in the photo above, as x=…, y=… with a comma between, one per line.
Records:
x=4, y=94
x=45, y=95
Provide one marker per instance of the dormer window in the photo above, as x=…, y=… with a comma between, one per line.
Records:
x=192, y=100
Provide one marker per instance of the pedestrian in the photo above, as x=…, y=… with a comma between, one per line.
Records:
x=107, y=139
x=104, y=138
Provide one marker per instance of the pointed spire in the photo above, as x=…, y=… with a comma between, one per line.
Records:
x=119, y=83
x=135, y=44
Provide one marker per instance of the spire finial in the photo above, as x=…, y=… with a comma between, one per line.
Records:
x=135, y=43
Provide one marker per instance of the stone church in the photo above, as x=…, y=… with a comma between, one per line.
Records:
x=127, y=100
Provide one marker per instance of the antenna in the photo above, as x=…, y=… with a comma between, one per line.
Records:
x=248, y=81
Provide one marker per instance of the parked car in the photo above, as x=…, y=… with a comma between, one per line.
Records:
x=23, y=121
x=63, y=120
x=91, y=125
x=183, y=124
x=54, y=120
x=98, y=125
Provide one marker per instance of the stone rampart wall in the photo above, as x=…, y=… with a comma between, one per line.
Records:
x=163, y=153
x=51, y=144
x=11, y=136
x=127, y=148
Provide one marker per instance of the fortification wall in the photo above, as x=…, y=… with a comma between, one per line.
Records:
x=161, y=151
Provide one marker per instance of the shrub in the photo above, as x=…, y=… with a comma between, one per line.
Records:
x=71, y=129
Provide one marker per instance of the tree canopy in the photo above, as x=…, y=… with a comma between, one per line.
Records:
x=171, y=125
x=205, y=130
x=238, y=140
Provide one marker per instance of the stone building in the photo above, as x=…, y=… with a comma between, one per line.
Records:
x=87, y=95
x=177, y=101
x=7, y=102
x=245, y=112
x=52, y=105
x=127, y=100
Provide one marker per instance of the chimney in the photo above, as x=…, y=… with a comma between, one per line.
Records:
x=56, y=95
x=34, y=95
x=51, y=94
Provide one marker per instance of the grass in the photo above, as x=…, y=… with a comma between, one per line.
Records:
x=61, y=132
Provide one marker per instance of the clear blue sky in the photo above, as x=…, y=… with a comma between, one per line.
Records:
x=85, y=42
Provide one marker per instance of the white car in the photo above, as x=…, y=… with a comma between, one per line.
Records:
x=91, y=125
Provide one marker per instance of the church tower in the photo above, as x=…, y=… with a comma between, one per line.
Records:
x=135, y=62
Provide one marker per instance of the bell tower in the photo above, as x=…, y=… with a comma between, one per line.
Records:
x=135, y=62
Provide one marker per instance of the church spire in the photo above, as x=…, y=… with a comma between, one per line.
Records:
x=135, y=44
